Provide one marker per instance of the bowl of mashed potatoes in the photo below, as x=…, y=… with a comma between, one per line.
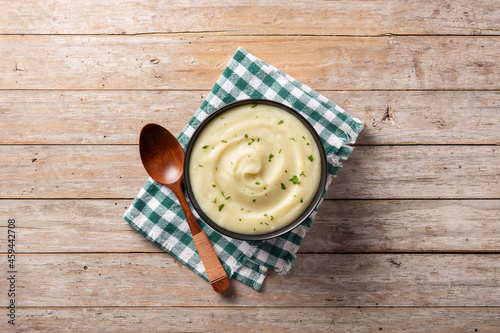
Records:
x=255, y=169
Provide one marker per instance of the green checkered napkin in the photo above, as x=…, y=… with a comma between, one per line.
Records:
x=156, y=213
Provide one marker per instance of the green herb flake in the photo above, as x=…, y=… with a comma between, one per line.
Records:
x=201, y=166
x=301, y=200
x=227, y=198
x=223, y=141
x=302, y=174
x=254, y=106
x=310, y=158
x=252, y=141
x=205, y=147
x=261, y=223
x=272, y=217
x=283, y=187
x=292, y=139
x=253, y=200
x=246, y=136
x=257, y=183
x=303, y=137
x=295, y=180
x=213, y=185
x=266, y=223
x=280, y=122
x=270, y=157
x=254, y=229
x=265, y=214
x=215, y=200
x=220, y=207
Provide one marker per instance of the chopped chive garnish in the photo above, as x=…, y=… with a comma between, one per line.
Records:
x=261, y=223
x=279, y=151
x=265, y=214
x=283, y=187
x=280, y=122
x=270, y=157
x=213, y=185
x=310, y=158
x=220, y=207
x=246, y=136
x=272, y=217
x=215, y=200
x=257, y=183
x=253, y=200
x=302, y=174
x=303, y=137
x=227, y=198
x=254, y=229
x=292, y=139
x=254, y=106
x=201, y=166
x=301, y=200
x=252, y=141
x=205, y=147
x=223, y=141
x=295, y=180
x=266, y=223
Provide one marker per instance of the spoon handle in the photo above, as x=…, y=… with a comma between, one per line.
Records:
x=215, y=271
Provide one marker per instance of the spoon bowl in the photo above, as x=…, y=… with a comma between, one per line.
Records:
x=161, y=154
x=163, y=159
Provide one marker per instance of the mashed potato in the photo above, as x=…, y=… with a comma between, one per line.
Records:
x=254, y=169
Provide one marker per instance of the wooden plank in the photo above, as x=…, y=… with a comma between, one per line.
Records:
x=340, y=226
x=116, y=117
x=418, y=172
x=372, y=172
x=380, y=225
x=256, y=17
x=331, y=280
x=203, y=319
x=190, y=62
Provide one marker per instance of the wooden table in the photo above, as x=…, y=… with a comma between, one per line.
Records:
x=409, y=238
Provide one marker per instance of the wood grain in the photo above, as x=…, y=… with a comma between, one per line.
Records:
x=187, y=62
x=318, y=319
x=116, y=117
x=408, y=239
x=333, y=280
x=372, y=172
x=340, y=226
x=243, y=17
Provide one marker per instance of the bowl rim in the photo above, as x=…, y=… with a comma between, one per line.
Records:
x=276, y=233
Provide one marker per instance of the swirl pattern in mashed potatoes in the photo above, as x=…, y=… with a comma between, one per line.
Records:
x=254, y=169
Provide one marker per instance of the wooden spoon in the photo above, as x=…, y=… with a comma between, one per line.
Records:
x=163, y=159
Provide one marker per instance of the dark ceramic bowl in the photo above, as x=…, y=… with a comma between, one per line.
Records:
x=310, y=208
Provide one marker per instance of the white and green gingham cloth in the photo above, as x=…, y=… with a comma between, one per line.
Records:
x=156, y=213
